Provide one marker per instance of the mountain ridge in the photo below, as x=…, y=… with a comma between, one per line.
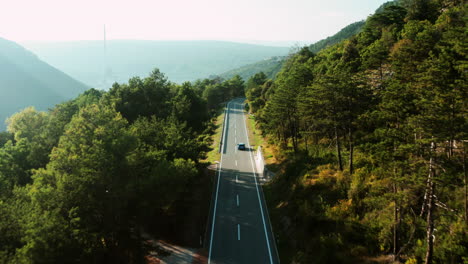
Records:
x=180, y=60
x=272, y=66
x=25, y=81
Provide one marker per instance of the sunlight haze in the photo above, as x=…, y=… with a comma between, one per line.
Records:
x=233, y=131
x=241, y=20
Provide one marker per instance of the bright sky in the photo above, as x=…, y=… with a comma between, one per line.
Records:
x=235, y=20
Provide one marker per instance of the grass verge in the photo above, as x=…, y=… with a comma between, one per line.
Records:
x=256, y=139
x=214, y=155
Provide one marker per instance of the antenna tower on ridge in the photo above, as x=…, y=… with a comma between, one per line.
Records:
x=107, y=69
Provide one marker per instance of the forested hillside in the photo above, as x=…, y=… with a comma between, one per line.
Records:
x=25, y=80
x=346, y=32
x=272, y=66
x=82, y=182
x=371, y=141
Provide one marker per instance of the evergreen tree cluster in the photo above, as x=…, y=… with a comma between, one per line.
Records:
x=372, y=133
x=82, y=182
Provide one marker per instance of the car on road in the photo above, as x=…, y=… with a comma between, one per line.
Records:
x=241, y=146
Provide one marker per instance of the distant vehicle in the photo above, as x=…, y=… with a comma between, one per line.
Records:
x=241, y=146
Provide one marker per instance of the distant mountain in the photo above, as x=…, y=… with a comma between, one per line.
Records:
x=179, y=60
x=273, y=65
x=269, y=66
x=27, y=81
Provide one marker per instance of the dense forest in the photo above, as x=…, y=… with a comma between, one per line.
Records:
x=83, y=181
x=368, y=139
x=370, y=136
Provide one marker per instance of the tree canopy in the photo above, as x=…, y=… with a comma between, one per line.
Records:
x=82, y=181
x=372, y=137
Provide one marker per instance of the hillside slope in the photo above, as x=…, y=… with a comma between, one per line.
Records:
x=180, y=60
x=345, y=33
x=272, y=65
x=27, y=81
x=269, y=66
x=367, y=141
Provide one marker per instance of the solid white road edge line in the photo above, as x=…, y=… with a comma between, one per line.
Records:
x=258, y=192
x=217, y=189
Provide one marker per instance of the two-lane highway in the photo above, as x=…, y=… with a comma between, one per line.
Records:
x=240, y=228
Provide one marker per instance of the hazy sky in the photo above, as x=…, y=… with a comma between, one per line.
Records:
x=238, y=20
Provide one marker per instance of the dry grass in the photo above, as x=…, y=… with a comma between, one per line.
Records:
x=257, y=139
x=382, y=259
x=214, y=155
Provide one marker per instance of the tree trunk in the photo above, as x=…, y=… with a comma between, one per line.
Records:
x=395, y=225
x=430, y=227
x=292, y=131
x=430, y=207
x=465, y=183
x=296, y=135
x=351, y=152
x=338, y=149
x=306, y=145
x=295, y=139
x=452, y=129
x=403, y=248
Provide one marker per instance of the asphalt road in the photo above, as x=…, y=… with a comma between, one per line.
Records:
x=240, y=228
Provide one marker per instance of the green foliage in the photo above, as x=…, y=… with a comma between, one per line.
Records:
x=80, y=182
x=390, y=18
x=139, y=97
x=422, y=9
x=345, y=33
x=282, y=112
x=270, y=67
x=5, y=137
x=189, y=107
x=217, y=92
x=256, y=80
x=390, y=100
x=256, y=88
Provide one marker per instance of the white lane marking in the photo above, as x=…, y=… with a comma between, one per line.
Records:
x=258, y=192
x=237, y=200
x=216, y=196
x=237, y=180
x=238, y=232
x=236, y=163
